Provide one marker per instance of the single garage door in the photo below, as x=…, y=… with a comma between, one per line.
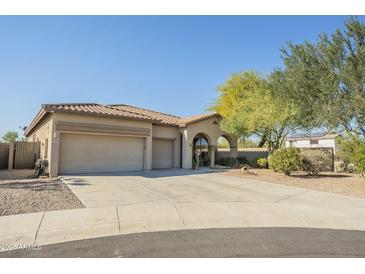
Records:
x=162, y=153
x=86, y=153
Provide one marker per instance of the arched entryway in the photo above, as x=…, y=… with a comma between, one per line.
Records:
x=201, y=155
x=227, y=146
x=209, y=130
x=223, y=143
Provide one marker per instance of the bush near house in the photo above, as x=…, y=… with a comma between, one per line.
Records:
x=314, y=161
x=231, y=162
x=242, y=160
x=353, y=152
x=262, y=162
x=285, y=160
x=226, y=161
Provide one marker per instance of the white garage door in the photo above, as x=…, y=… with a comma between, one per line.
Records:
x=162, y=152
x=83, y=153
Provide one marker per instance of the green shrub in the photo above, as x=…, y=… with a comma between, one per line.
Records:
x=353, y=152
x=285, y=160
x=315, y=161
x=242, y=160
x=231, y=161
x=262, y=162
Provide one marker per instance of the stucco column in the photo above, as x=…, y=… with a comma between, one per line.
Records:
x=176, y=153
x=187, y=151
x=233, y=152
x=147, y=165
x=233, y=146
x=54, y=155
x=212, y=150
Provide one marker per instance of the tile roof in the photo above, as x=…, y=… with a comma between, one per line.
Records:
x=96, y=109
x=164, y=118
x=197, y=118
x=313, y=135
x=117, y=111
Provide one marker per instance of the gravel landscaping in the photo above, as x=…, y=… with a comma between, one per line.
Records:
x=34, y=195
x=339, y=183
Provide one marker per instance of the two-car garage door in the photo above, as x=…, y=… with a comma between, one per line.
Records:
x=86, y=153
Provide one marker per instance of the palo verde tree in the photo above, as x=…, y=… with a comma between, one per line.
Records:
x=326, y=79
x=248, y=106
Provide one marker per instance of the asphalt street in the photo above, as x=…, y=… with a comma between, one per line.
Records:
x=214, y=243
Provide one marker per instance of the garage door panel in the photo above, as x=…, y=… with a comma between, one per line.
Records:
x=83, y=153
x=162, y=153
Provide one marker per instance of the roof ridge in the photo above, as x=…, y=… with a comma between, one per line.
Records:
x=69, y=104
x=113, y=107
x=196, y=118
x=198, y=115
x=164, y=113
x=208, y=112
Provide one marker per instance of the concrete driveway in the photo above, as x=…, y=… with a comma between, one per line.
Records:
x=171, y=200
x=178, y=199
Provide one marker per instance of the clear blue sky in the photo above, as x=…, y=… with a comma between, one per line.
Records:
x=170, y=64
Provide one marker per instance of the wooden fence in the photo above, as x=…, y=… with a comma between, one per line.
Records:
x=19, y=155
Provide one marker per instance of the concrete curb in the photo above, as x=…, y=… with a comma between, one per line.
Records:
x=68, y=225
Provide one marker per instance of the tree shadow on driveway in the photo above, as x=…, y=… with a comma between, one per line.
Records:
x=156, y=173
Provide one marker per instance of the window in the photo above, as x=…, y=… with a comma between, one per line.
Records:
x=313, y=142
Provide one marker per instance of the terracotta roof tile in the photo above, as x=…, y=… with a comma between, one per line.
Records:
x=117, y=111
x=197, y=118
x=96, y=109
x=164, y=118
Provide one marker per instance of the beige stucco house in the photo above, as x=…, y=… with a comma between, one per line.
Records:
x=89, y=138
x=314, y=140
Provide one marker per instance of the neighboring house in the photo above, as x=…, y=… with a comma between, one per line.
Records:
x=314, y=140
x=88, y=138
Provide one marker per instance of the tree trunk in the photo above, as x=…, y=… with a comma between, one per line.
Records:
x=262, y=142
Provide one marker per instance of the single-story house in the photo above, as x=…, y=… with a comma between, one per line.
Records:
x=89, y=138
x=313, y=140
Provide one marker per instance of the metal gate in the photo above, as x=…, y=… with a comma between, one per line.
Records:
x=26, y=154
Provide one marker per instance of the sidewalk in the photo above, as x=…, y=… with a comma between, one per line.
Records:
x=76, y=224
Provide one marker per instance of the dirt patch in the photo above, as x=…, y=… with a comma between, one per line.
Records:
x=27, y=196
x=340, y=183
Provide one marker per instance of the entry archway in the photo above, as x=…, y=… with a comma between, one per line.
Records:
x=227, y=143
x=201, y=155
